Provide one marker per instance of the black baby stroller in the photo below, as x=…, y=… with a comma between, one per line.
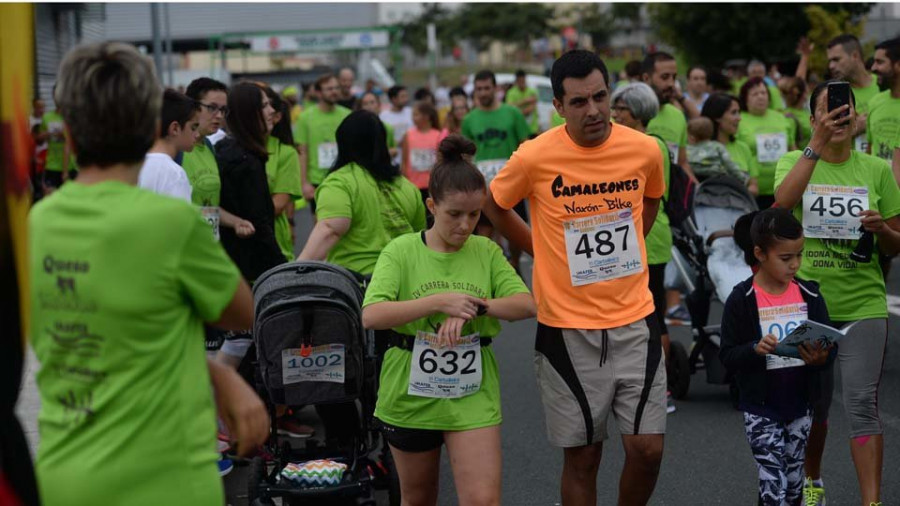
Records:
x=708, y=263
x=313, y=350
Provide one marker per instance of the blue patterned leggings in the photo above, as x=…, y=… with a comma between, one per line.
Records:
x=778, y=448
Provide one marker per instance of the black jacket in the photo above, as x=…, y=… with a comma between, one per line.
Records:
x=741, y=332
x=245, y=193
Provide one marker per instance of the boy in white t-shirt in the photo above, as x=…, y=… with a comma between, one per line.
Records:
x=178, y=132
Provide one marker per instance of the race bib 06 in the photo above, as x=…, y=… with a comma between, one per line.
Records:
x=422, y=160
x=211, y=215
x=323, y=363
x=445, y=373
x=602, y=247
x=832, y=212
x=780, y=321
x=327, y=154
x=490, y=168
x=771, y=147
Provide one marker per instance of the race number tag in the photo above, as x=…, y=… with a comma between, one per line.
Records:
x=832, y=212
x=673, y=150
x=445, y=373
x=860, y=143
x=211, y=215
x=323, y=363
x=327, y=154
x=770, y=147
x=602, y=247
x=422, y=160
x=490, y=168
x=780, y=321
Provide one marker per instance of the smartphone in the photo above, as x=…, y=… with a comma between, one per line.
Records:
x=839, y=95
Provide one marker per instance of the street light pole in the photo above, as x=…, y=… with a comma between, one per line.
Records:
x=157, y=42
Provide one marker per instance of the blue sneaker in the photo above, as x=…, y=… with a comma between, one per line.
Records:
x=225, y=466
x=678, y=315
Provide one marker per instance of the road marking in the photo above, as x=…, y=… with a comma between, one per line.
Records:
x=893, y=302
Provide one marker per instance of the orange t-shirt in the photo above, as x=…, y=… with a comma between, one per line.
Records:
x=590, y=262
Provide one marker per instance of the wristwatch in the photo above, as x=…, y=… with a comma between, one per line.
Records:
x=809, y=153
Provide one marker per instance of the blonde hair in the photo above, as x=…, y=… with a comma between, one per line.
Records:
x=110, y=100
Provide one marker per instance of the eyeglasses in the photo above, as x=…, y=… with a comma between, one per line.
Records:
x=213, y=108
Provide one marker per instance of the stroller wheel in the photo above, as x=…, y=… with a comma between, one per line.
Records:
x=255, y=480
x=678, y=370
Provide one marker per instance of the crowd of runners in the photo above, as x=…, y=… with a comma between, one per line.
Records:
x=160, y=210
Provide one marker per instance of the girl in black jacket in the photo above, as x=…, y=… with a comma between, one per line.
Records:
x=774, y=390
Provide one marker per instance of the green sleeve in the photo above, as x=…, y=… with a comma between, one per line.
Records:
x=334, y=199
x=522, y=129
x=667, y=164
x=466, y=129
x=208, y=277
x=389, y=130
x=385, y=284
x=287, y=173
x=504, y=280
x=301, y=134
x=889, y=206
x=784, y=166
x=682, y=142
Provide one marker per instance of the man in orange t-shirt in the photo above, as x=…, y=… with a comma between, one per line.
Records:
x=594, y=190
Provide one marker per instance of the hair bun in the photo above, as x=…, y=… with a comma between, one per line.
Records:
x=454, y=146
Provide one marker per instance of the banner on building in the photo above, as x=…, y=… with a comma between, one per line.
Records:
x=310, y=42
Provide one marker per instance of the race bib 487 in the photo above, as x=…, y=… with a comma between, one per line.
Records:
x=602, y=247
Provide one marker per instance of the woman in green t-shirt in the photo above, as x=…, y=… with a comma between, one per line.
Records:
x=441, y=292
x=725, y=112
x=837, y=193
x=768, y=134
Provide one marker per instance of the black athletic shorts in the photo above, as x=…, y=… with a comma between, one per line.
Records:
x=411, y=440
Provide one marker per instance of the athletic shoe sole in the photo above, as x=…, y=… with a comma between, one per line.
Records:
x=282, y=432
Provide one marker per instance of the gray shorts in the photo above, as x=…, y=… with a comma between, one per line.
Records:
x=584, y=374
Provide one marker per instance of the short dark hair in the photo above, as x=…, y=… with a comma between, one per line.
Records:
x=633, y=69
x=849, y=42
x=324, y=78
x=892, y=48
x=814, y=96
x=199, y=87
x=763, y=229
x=422, y=94
x=520, y=73
x=458, y=92
x=696, y=67
x=362, y=139
x=454, y=173
x=648, y=66
x=395, y=90
x=753, y=82
x=176, y=107
x=578, y=64
x=484, y=75
x=245, y=119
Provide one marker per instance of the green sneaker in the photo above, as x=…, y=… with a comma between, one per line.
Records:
x=813, y=495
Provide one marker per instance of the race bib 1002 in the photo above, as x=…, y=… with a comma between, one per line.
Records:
x=781, y=321
x=211, y=215
x=602, y=247
x=327, y=152
x=322, y=363
x=490, y=168
x=422, y=160
x=445, y=373
x=832, y=212
x=771, y=147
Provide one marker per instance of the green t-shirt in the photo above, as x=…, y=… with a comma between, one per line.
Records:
x=776, y=101
x=883, y=125
x=203, y=172
x=316, y=130
x=852, y=291
x=56, y=145
x=659, y=240
x=378, y=212
x=769, y=138
x=496, y=134
x=283, y=176
x=802, y=116
x=556, y=119
x=672, y=127
x=408, y=269
x=389, y=131
x=863, y=97
x=122, y=281
x=740, y=154
x=514, y=95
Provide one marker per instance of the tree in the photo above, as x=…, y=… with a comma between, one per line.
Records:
x=825, y=26
x=516, y=23
x=713, y=33
x=415, y=30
